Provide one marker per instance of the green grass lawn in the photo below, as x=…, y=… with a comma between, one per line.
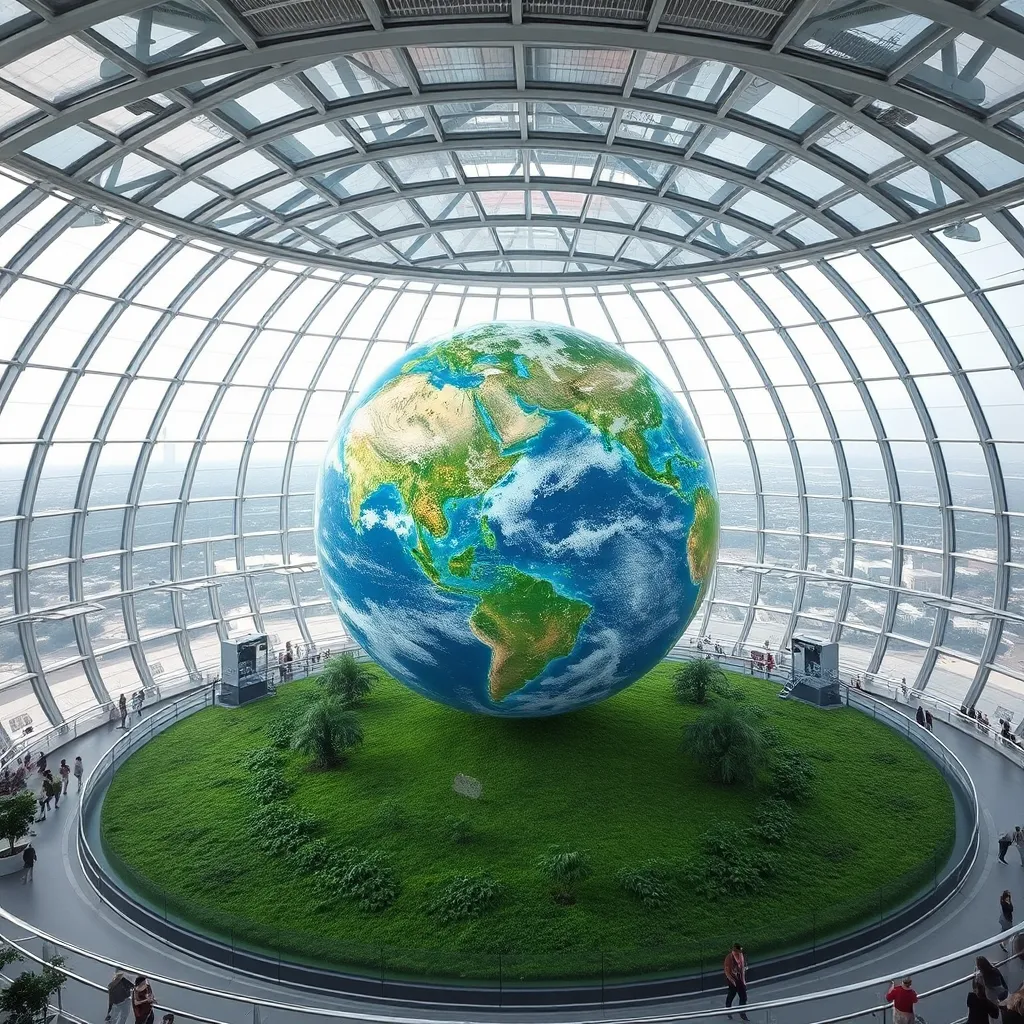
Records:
x=611, y=780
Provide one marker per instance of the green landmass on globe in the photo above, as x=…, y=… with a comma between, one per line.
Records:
x=453, y=430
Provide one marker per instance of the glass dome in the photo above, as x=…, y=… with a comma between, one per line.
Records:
x=219, y=221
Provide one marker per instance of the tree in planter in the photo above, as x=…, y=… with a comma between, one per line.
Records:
x=566, y=869
x=346, y=679
x=16, y=816
x=327, y=731
x=695, y=681
x=26, y=999
x=727, y=741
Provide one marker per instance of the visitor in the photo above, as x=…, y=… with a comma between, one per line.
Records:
x=928, y=720
x=1013, y=1011
x=79, y=771
x=288, y=659
x=920, y=717
x=979, y=1007
x=1018, y=841
x=138, y=699
x=1005, y=915
x=771, y=666
x=119, y=992
x=41, y=763
x=903, y=997
x=1005, y=842
x=735, y=969
x=65, y=774
x=143, y=1001
x=167, y=1018
x=990, y=977
x=122, y=706
x=28, y=858
x=53, y=788
x=903, y=687
x=1013, y=969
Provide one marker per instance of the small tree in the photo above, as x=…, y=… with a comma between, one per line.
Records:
x=346, y=679
x=327, y=731
x=695, y=681
x=566, y=869
x=16, y=816
x=26, y=999
x=727, y=741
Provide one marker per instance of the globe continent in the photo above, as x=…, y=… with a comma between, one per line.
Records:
x=517, y=519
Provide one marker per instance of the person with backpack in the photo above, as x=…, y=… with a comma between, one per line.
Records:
x=119, y=994
x=903, y=999
x=1005, y=842
x=735, y=970
x=28, y=858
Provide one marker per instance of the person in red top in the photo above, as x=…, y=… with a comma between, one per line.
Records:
x=735, y=969
x=903, y=998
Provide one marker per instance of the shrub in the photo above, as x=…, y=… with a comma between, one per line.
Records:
x=460, y=831
x=265, y=782
x=311, y=857
x=279, y=829
x=727, y=867
x=17, y=813
x=464, y=897
x=26, y=998
x=790, y=775
x=650, y=883
x=280, y=732
x=262, y=759
x=327, y=731
x=390, y=817
x=370, y=881
x=695, y=681
x=345, y=678
x=727, y=741
x=566, y=869
x=774, y=822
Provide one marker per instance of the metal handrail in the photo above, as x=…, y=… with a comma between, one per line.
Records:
x=163, y=714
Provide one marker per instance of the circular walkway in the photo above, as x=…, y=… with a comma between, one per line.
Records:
x=61, y=903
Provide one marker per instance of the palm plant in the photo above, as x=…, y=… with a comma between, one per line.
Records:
x=346, y=679
x=696, y=680
x=727, y=741
x=327, y=731
x=566, y=869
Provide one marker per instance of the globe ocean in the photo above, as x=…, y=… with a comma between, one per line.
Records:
x=517, y=519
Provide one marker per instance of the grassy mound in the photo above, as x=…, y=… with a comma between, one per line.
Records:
x=611, y=781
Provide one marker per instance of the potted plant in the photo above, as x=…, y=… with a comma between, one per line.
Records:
x=26, y=998
x=17, y=813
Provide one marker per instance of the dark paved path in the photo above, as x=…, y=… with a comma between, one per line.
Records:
x=60, y=902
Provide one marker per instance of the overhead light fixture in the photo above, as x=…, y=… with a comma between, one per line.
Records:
x=90, y=217
x=962, y=232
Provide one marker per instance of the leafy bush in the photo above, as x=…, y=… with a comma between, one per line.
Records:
x=311, y=856
x=726, y=740
x=727, y=866
x=566, y=869
x=327, y=731
x=265, y=782
x=279, y=829
x=17, y=813
x=345, y=678
x=26, y=998
x=263, y=759
x=460, y=831
x=391, y=817
x=464, y=897
x=774, y=821
x=370, y=881
x=650, y=883
x=695, y=681
x=280, y=732
x=791, y=775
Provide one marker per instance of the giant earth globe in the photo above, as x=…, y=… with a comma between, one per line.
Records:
x=517, y=519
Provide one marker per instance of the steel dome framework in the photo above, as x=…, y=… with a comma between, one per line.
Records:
x=219, y=221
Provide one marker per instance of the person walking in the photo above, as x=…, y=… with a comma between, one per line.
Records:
x=735, y=970
x=79, y=771
x=119, y=995
x=1005, y=916
x=928, y=720
x=143, y=1001
x=1018, y=841
x=1005, y=842
x=28, y=858
x=980, y=1009
x=65, y=774
x=903, y=999
x=992, y=979
x=920, y=717
x=122, y=706
x=52, y=787
x=138, y=699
